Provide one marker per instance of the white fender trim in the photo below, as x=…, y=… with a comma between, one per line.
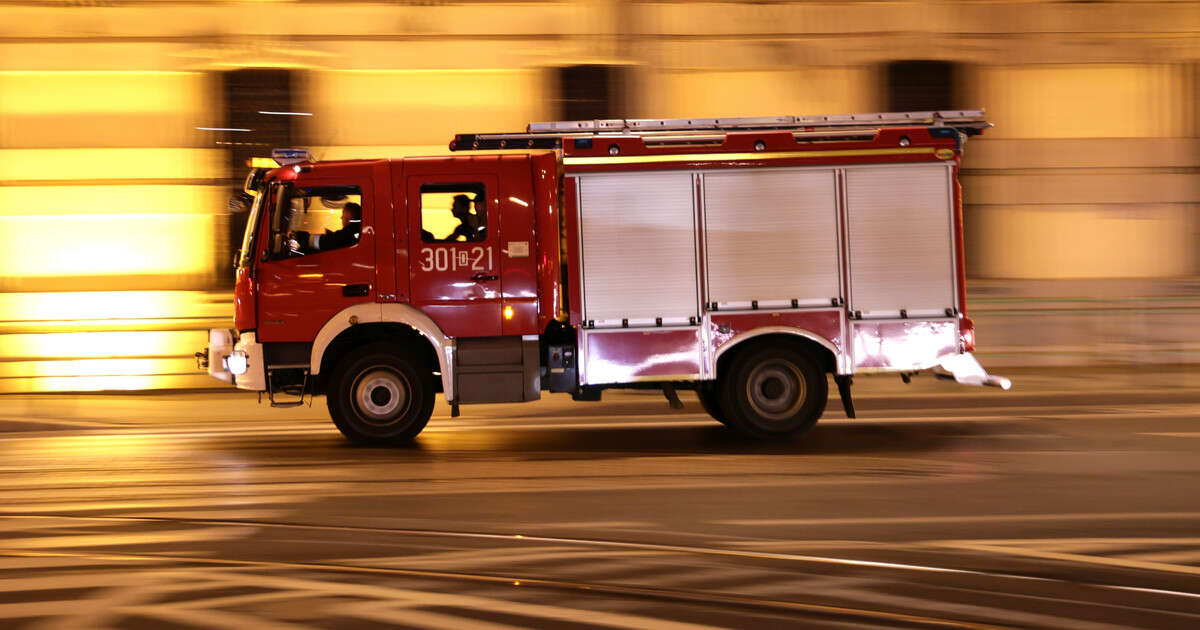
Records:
x=390, y=313
x=775, y=330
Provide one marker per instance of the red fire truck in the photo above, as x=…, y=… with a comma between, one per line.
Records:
x=745, y=259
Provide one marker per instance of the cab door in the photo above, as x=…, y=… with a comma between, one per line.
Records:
x=300, y=283
x=454, y=257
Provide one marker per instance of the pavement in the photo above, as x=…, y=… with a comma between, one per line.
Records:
x=1067, y=502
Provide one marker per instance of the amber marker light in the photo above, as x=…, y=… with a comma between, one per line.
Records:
x=508, y=312
x=262, y=162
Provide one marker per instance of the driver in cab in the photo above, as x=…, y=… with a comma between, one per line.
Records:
x=337, y=239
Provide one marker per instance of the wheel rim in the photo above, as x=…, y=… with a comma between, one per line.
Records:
x=776, y=390
x=382, y=396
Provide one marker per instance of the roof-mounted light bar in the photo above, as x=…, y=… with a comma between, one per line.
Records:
x=285, y=157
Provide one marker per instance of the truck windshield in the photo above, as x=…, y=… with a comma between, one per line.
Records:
x=247, y=252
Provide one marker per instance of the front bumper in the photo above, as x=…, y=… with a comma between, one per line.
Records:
x=239, y=362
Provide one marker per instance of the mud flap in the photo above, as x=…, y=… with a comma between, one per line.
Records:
x=843, y=384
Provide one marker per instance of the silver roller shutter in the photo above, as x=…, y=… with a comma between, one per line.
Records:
x=901, y=253
x=771, y=237
x=638, y=234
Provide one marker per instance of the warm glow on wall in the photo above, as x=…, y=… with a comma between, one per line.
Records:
x=106, y=305
x=105, y=244
x=114, y=200
x=56, y=93
x=143, y=344
x=712, y=92
x=1082, y=101
x=71, y=231
x=401, y=107
x=112, y=164
x=91, y=340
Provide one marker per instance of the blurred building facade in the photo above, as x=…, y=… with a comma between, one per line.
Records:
x=123, y=125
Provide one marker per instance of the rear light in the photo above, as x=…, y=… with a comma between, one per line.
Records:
x=966, y=334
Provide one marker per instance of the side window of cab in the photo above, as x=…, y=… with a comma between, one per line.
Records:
x=308, y=220
x=453, y=213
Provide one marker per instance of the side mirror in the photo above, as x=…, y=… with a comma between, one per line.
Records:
x=254, y=180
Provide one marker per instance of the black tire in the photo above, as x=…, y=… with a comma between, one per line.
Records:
x=380, y=394
x=773, y=392
x=709, y=395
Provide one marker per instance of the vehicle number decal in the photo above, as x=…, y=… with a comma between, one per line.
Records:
x=454, y=259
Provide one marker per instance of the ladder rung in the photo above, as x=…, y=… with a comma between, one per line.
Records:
x=634, y=125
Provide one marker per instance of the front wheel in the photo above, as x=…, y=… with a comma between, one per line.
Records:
x=709, y=395
x=773, y=392
x=380, y=394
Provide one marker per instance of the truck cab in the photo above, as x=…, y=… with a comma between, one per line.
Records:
x=439, y=277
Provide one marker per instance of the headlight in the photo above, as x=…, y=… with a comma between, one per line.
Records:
x=237, y=363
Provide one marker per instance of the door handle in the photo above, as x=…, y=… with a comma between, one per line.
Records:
x=356, y=290
x=480, y=277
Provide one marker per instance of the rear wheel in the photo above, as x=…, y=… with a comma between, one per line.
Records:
x=773, y=392
x=380, y=394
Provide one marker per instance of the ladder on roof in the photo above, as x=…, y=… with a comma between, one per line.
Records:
x=549, y=135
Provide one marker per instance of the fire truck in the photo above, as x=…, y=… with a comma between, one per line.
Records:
x=747, y=259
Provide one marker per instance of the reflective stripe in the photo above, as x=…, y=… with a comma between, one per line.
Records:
x=724, y=157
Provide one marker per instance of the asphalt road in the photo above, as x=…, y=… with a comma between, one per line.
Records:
x=1068, y=503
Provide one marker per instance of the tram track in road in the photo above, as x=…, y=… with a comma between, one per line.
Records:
x=704, y=599
x=802, y=576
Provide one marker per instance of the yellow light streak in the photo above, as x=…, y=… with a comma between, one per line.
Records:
x=90, y=306
x=58, y=93
x=102, y=345
x=98, y=164
x=91, y=367
x=99, y=245
x=725, y=157
x=156, y=199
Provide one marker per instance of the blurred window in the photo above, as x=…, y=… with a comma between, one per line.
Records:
x=591, y=92
x=920, y=85
x=247, y=93
x=442, y=221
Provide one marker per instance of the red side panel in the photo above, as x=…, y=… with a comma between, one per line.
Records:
x=400, y=232
x=574, y=264
x=549, y=254
x=825, y=324
x=243, y=301
x=297, y=295
x=627, y=356
x=960, y=259
x=518, y=246
x=385, y=231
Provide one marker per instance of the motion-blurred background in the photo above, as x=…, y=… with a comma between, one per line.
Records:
x=126, y=124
